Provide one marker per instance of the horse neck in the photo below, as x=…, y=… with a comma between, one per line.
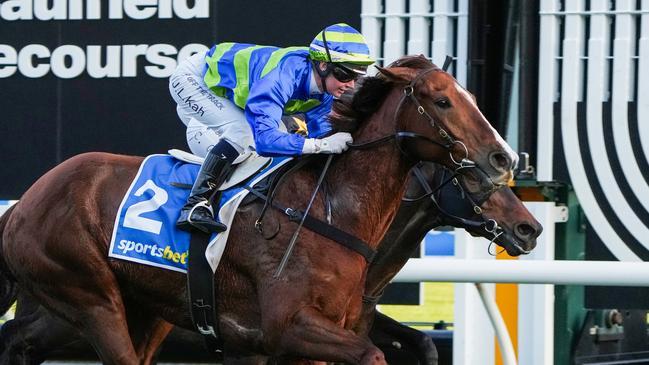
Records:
x=412, y=222
x=368, y=184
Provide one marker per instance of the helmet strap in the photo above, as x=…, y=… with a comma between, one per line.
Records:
x=322, y=73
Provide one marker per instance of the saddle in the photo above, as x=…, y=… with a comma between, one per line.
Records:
x=246, y=167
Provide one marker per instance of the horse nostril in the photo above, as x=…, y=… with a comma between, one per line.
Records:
x=525, y=230
x=500, y=161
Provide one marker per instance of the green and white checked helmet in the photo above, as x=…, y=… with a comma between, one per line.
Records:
x=340, y=43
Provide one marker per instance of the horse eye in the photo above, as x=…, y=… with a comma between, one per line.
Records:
x=443, y=103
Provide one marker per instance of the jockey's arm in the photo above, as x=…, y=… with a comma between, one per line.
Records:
x=317, y=118
x=264, y=110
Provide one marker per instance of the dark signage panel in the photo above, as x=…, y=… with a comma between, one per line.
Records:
x=92, y=75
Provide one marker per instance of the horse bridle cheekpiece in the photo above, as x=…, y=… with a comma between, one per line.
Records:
x=488, y=225
x=409, y=94
x=401, y=136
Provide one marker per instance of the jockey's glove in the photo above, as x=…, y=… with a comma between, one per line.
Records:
x=336, y=143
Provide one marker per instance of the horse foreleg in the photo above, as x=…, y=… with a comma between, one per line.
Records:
x=31, y=337
x=388, y=331
x=98, y=314
x=147, y=335
x=313, y=336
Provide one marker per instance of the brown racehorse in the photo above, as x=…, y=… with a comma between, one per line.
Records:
x=35, y=335
x=54, y=240
x=429, y=203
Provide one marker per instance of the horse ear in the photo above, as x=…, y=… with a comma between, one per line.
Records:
x=391, y=75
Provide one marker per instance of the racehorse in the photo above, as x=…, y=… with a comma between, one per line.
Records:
x=431, y=201
x=432, y=198
x=54, y=240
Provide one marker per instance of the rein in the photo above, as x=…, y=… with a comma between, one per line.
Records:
x=291, y=244
x=331, y=232
x=488, y=225
x=399, y=136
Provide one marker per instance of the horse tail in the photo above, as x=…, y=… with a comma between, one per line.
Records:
x=8, y=286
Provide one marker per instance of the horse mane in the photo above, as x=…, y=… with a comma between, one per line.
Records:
x=349, y=111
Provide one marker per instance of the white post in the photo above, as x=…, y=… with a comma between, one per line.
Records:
x=394, y=45
x=442, y=31
x=536, y=302
x=548, y=69
x=462, y=38
x=371, y=26
x=643, y=74
x=473, y=333
x=624, y=78
x=419, y=35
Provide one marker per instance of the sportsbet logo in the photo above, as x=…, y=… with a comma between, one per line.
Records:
x=166, y=253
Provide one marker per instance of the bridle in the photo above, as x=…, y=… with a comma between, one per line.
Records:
x=448, y=141
x=488, y=225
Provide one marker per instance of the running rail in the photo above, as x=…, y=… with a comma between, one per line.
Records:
x=497, y=321
x=561, y=272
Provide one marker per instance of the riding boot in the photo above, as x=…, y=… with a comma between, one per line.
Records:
x=216, y=169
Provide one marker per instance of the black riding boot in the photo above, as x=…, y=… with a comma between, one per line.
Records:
x=198, y=212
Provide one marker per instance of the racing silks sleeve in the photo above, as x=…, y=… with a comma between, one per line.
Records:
x=317, y=119
x=265, y=106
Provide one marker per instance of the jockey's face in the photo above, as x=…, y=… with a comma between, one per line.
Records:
x=337, y=88
x=334, y=86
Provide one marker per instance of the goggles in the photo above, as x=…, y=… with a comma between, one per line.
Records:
x=343, y=74
x=340, y=72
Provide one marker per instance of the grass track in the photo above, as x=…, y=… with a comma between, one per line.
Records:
x=438, y=306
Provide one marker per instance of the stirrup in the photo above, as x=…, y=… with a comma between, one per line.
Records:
x=202, y=203
x=209, y=226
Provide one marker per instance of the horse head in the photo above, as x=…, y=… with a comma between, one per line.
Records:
x=498, y=215
x=443, y=123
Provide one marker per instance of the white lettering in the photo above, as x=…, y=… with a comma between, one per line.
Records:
x=93, y=9
x=201, y=9
x=115, y=9
x=140, y=9
x=69, y=61
x=16, y=10
x=190, y=50
x=75, y=10
x=130, y=54
x=94, y=66
x=26, y=60
x=156, y=55
x=164, y=9
x=8, y=58
x=58, y=10
x=48, y=10
x=129, y=246
x=77, y=61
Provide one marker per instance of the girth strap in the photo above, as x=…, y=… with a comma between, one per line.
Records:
x=322, y=228
x=200, y=284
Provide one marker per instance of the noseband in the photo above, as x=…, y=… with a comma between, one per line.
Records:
x=490, y=226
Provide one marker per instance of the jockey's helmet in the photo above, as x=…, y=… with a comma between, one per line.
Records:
x=343, y=46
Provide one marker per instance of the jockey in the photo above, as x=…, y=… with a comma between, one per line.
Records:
x=232, y=100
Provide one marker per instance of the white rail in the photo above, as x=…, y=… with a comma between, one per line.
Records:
x=607, y=273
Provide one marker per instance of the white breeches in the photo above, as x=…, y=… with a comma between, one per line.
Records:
x=208, y=117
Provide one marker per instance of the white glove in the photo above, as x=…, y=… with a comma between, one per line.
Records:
x=336, y=143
